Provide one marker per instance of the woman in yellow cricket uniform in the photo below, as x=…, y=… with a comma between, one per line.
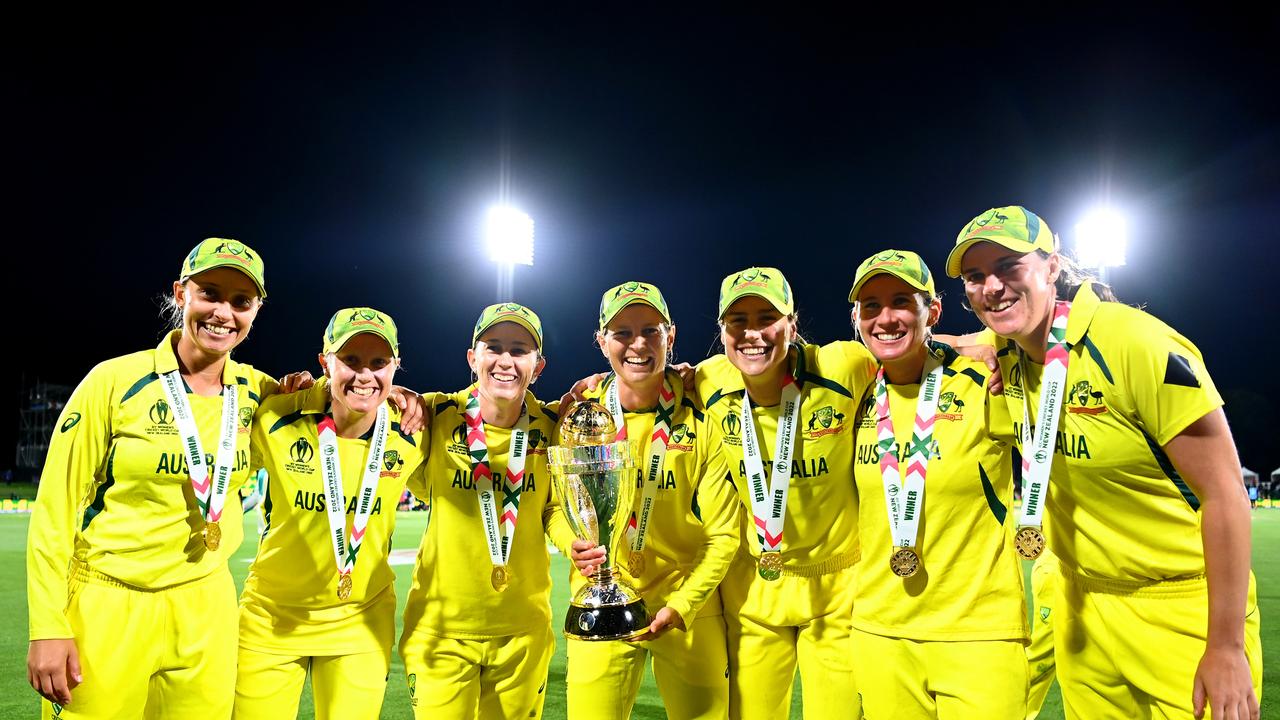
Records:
x=939, y=600
x=132, y=608
x=680, y=542
x=1156, y=614
x=788, y=596
x=477, y=626
x=320, y=596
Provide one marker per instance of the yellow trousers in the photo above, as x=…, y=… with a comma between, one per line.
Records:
x=502, y=678
x=349, y=687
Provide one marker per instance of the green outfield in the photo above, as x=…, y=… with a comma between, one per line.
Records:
x=17, y=700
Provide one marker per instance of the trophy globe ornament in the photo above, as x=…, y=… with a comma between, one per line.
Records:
x=595, y=477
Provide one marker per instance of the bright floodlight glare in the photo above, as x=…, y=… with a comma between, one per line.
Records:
x=1101, y=238
x=509, y=236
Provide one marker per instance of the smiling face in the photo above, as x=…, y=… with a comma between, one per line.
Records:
x=360, y=374
x=756, y=336
x=894, y=319
x=636, y=343
x=218, y=309
x=505, y=360
x=1011, y=293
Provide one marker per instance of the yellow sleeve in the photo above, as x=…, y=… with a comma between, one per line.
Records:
x=1165, y=376
x=77, y=451
x=718, y=506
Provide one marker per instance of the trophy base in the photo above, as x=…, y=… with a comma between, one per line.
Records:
x=606, y=612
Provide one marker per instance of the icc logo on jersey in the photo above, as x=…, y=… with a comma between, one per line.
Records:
x=301, y=451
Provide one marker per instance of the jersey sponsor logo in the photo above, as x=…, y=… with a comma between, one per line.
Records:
x=1068, y=444
x=799, y=468
x=315, y=502
x=300, y=455
x=176, y=463
x=681, y=438
x=70, y=422
x=732, y=425
x=950, y=407
x=1082, y=399
x=824, y=421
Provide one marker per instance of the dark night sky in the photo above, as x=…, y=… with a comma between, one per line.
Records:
x=357, y=153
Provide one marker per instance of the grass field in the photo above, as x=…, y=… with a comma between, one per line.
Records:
x=17, y=700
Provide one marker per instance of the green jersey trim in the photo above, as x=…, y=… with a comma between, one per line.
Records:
x=1171, y=472
x=998, y=509
x=137, y=387
x=99, y=498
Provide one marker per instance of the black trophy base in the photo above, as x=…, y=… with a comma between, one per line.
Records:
x=606, y=622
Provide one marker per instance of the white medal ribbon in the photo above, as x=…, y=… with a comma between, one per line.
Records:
x=498, y=533
x=769, y=502
x=1038, y=444
x=657, y=455
x=210, y=498
x=904, y=500
x=345, y=548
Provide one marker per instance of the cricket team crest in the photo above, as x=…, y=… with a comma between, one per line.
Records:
x=681, y=438
x=246, y=419
x=1082, y=399
x=824, y=421
x=391, y=464
x=950, y=407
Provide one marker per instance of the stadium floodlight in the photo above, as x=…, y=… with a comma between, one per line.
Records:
x=1101, y=239
x=509, y=236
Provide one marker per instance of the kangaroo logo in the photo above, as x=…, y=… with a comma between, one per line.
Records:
x=234, y=247
x=159, y=413
x=301, y=451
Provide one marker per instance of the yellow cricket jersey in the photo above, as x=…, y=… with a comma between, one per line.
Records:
x=1118, y=508
x=693, y=526
x=969, y=586
x=290, y=602
x=820, y=530
x=451, y=594
x=115, y=496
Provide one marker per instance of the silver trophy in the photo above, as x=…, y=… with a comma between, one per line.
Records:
x=595, y=477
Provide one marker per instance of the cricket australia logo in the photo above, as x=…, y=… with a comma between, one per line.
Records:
x=391, y=462
x=990, y=219
x=1083, y=399
x=950, y=407
x=246, y=419
x=681, y=438
x=824, y=421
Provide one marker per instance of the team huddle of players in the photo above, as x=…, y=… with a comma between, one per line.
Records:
x=845, y=509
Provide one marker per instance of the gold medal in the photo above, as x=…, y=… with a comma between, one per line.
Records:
x=344, y=586
x=904, y=562
x=636, y=563
x=770, y=566
x=212, y=535
x=1029, y=541
x=500, y=578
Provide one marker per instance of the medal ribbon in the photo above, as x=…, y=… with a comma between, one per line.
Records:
x=1037, y=462
x=497, y=532
x=210, y=497
x=345, y=548
x=637, y=527
x=905, y=500
x=769, y=503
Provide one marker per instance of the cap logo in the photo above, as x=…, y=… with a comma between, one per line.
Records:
x=632, y=287
x=234, y=250
x=888, y=257
x=749, y=279
x=991, y=219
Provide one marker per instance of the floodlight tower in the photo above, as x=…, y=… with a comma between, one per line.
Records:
x=1101, y=239
x=509, y=239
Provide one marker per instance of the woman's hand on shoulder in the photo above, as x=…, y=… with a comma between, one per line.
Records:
x=295, y=381
x=413, y=409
